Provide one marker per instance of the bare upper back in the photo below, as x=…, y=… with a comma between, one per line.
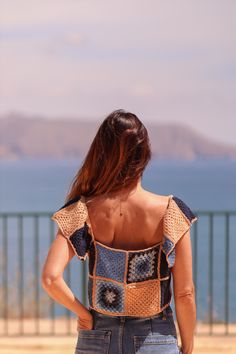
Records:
x=141, y=223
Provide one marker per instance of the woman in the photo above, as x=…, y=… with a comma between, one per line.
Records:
x=135, y=241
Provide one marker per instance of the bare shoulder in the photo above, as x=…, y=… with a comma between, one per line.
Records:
x=155, y=199
x=154, y=204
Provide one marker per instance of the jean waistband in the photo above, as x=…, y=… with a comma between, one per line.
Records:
x=166, y=312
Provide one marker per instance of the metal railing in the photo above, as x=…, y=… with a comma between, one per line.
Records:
x=26, y=309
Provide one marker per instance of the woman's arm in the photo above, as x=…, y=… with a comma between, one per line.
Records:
x=184, y=293
x=59, y=256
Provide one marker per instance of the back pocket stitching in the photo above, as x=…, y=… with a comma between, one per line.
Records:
x=95, y=333
x=154, y=339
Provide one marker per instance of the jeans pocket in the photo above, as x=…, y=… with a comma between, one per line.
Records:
x=94, y=341
x=155, y=343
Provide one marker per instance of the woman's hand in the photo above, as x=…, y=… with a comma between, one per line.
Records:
x=85, y=322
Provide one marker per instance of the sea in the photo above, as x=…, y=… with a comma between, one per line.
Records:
x=40, y=185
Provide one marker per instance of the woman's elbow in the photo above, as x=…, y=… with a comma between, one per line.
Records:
x=48, y=278
x=185, y=294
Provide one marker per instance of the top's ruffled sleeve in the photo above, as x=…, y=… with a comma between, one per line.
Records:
x=177, y=221
x=71, y=219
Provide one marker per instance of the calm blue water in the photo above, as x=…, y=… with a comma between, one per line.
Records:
x=42, y=185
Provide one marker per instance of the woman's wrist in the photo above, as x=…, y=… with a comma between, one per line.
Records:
x=82, y=311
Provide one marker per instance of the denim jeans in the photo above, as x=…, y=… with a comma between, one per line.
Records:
x=129, y=335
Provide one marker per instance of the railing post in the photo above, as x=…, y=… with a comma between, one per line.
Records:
x=227, y=274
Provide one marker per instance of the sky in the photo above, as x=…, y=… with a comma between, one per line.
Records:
x=167, y=61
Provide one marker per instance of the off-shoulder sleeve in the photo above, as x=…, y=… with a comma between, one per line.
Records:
x=71, y=219
x=177, y=221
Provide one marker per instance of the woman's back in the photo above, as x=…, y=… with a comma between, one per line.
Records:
x=139, y=226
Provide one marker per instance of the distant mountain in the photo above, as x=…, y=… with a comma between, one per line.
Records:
x=38, y=137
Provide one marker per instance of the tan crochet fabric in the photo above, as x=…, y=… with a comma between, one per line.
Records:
x=176, y=224
x=71, y=218
x=143, y=299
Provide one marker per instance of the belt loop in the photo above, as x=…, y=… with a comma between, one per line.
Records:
x=164, y=314
x=122, y=319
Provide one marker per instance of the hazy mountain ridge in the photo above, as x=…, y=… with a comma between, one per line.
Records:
x=38, y=137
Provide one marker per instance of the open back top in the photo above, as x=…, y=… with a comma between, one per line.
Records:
x=126, y=282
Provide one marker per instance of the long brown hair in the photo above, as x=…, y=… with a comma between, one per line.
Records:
x=116, y=158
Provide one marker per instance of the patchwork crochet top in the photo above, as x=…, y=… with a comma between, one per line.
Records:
x=126, y=282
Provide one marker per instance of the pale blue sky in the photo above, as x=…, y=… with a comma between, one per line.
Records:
x=166, y=61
